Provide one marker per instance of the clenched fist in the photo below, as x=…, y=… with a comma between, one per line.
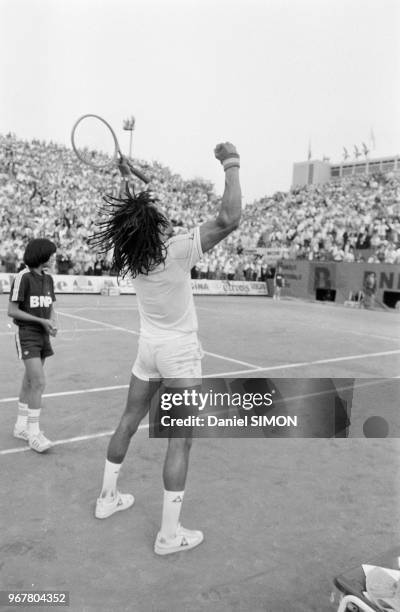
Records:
x=227, y=155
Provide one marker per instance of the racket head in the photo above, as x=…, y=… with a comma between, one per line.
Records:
x=94, y=142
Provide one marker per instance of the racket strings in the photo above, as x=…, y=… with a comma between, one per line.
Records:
x=94, y=142
x=91, y=156
x=95, y=158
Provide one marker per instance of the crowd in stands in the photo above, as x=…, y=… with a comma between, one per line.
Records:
x=354, y=219
x=46, y=192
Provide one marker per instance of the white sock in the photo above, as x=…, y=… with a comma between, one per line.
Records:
x=22, y=416
x=33, y=422
x=171, y=510
x=111, y=472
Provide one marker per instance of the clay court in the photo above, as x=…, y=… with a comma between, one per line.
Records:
x=281, y=517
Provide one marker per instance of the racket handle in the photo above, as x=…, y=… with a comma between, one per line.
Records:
x=139, y=174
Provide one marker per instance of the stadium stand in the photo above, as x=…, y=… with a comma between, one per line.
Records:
x=45, y=191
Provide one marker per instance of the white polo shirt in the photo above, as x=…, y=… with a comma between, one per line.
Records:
x=165, y=297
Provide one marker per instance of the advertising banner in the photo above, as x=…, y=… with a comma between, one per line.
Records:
x=69, y=283
x=296, y=275
x=302, y=279
x=273, y=254
x=225, y=287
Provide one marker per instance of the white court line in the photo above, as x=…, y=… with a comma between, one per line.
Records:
x=131, y=331
x=99, y=329
x=345, y=331
x=106, y=308
x=251, y=365
x=367, y=334
x=109, y=325
x=306, y=363
x=65, y=331
x=228, y=374
x=11, y=451
x=102, y=434
x=5, y=400
x=82, y=329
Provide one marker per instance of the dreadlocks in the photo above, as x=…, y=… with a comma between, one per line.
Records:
x=133, y=230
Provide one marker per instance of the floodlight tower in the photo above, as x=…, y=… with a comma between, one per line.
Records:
x=129, y=126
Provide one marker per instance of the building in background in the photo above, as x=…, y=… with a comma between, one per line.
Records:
x=315, y=171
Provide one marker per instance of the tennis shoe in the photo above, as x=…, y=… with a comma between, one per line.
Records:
x=21, y=433
x=184, y=539
x=39, y=442
x=105, y=508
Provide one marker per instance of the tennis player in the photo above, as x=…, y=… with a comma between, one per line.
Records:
x=160, y=263
x=31, y=305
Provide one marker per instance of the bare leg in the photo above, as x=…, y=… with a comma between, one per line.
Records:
x=177, y=458
x=176, y=464
x=172, y=537
x=137, y=406
x=34, y=380
x=174, y=477
x=24, y=391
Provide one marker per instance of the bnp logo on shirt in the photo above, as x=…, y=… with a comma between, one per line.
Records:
x=41, y=301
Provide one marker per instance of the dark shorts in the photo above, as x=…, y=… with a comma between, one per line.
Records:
x=32, y=343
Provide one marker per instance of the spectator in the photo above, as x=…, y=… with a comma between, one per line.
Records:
x=45, y=191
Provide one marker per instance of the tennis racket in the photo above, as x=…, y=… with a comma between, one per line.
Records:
x=95, y=144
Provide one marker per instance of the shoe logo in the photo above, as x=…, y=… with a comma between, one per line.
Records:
x=184, y=542
x=120, y=502
x=177, y=499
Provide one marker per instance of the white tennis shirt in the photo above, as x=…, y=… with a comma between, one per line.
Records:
x=165, y=297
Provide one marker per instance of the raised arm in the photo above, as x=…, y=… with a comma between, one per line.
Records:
x=228, y=217
x=125, y=174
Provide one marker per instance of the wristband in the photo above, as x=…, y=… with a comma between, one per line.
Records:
x=231, y=162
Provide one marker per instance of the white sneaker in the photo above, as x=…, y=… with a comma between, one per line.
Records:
x=105, y=508
x=185, y=539
x=39, y=442
x=21, y=433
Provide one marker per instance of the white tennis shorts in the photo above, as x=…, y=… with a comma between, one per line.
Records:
x=169, y=358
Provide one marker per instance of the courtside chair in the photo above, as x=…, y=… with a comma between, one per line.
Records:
x=351, y=583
